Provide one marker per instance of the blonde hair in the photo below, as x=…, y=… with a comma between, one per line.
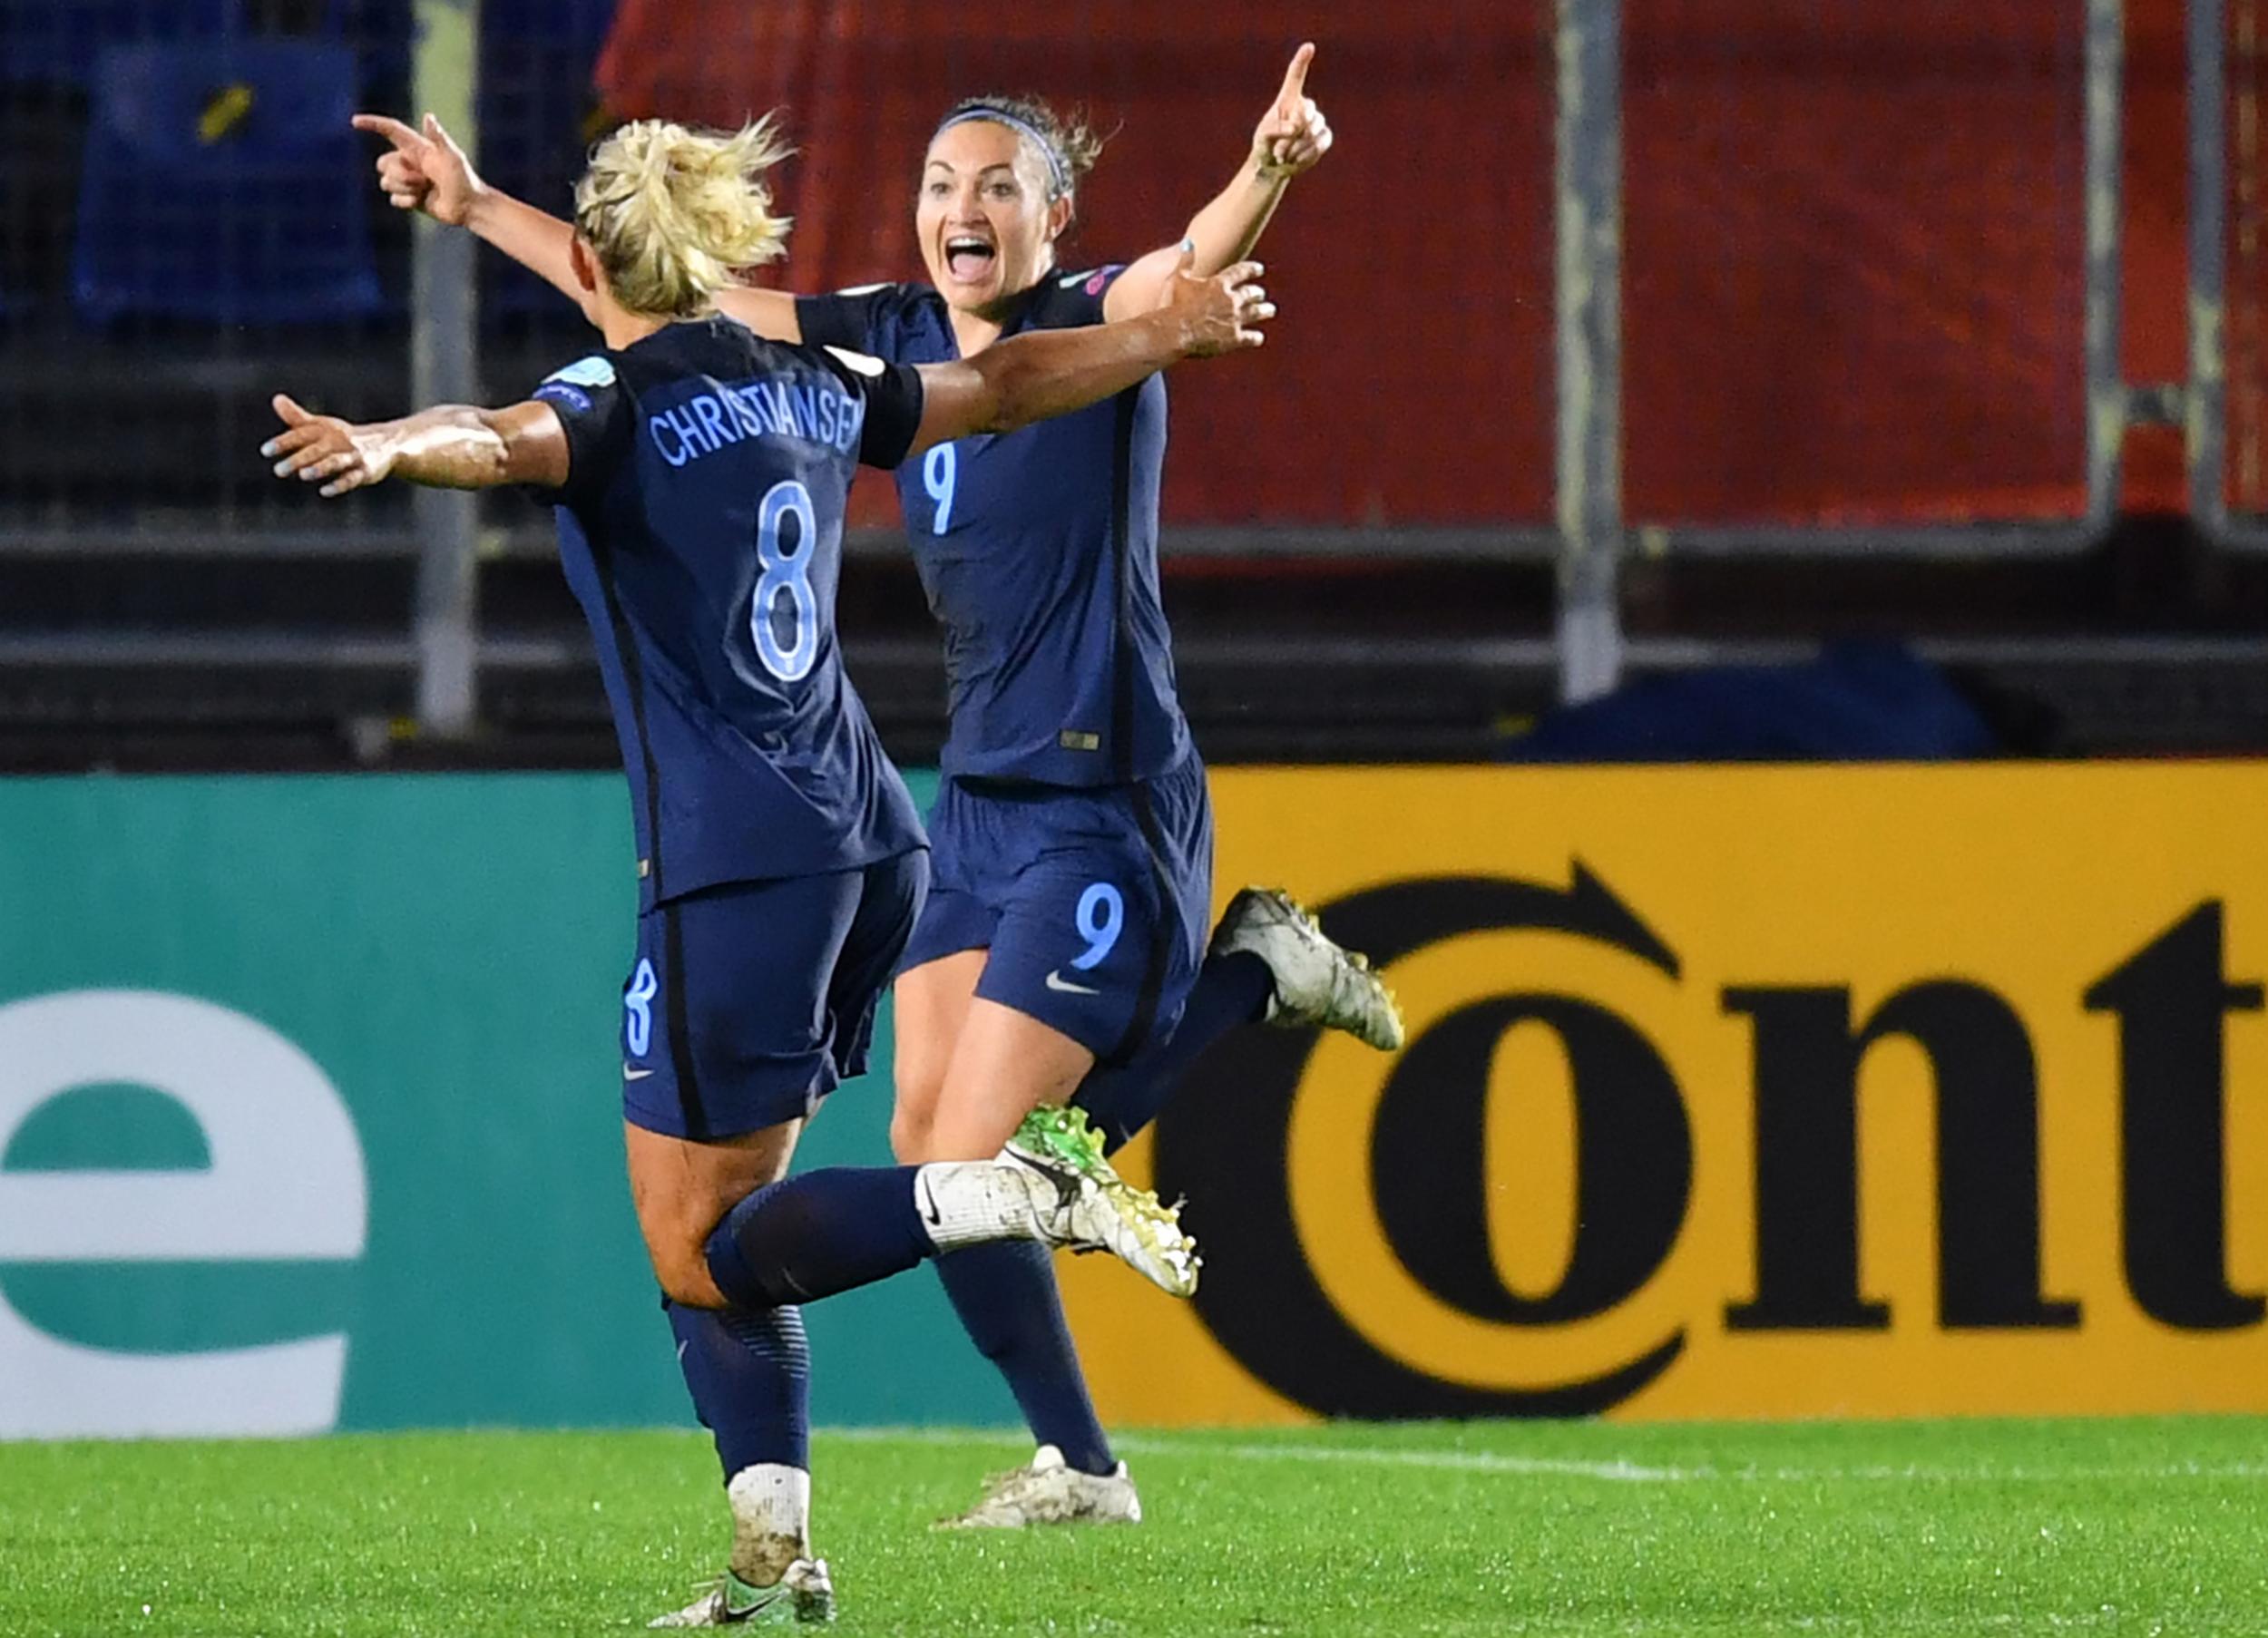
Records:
x=672, y=211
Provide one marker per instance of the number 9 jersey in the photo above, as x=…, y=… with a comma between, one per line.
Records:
x=701, y=528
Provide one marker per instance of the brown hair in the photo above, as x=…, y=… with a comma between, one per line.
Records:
x=1069, y=144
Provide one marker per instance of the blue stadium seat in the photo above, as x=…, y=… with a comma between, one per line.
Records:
x=383, y=33
x=58, y=42
x=224, y=183
x=576, y=25
x=535, y=91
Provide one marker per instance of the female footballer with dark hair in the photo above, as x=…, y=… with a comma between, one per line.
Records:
x=1062, y=958
x=700, y=473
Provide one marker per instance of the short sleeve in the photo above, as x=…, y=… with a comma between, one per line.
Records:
x=849, y=318
x=893, y=398
x=1076, y=298
x=589, y=399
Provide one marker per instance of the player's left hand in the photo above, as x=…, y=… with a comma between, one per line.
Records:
x=1222, y=314
x=1292, y=136
x=325, y=450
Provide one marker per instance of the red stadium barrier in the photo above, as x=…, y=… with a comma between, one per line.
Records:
x=1854, y=280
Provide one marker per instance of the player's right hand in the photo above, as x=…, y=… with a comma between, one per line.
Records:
x=423, y=169
x=1222, y=314
x=325, y=450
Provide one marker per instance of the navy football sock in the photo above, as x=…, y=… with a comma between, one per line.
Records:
x=749, y=1373
x=809, y=1236
x=1230, y=990
x=1006, y=1297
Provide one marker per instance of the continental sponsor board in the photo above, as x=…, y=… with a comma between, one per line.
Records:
x=1729, y=1093
x=1733, y=1092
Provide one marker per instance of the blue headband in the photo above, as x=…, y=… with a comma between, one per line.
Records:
x=1001, y=116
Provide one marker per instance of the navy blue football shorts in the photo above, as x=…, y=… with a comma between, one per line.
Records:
x=1094, y=902
x=750, y=1001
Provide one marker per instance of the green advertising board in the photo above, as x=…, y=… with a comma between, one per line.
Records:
x=309, y=1117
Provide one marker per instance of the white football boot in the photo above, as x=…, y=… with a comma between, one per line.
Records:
x=1316, y=982
x=802, y=1595
x=1049, y=1492
x=1095, y=1209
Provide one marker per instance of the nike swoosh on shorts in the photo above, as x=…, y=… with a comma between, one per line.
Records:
x=1056, y=980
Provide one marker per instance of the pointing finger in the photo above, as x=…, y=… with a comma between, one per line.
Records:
x=1295, y=76
x=392, y=130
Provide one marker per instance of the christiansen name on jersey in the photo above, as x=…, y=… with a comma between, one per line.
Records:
x=701, y=528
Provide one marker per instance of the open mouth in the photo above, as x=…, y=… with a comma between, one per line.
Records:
x=968, y=257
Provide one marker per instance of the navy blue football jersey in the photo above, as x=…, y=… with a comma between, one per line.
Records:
x=702, y=528
x=1039, y=551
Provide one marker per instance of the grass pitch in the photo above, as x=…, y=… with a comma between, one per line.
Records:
x=2144, y=1527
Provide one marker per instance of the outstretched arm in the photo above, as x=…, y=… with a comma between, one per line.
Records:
x=425, y=170
x=1047, y=372
x=450, y=446
x=1292, y=137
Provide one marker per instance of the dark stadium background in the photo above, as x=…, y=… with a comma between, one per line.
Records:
x=1853, y=393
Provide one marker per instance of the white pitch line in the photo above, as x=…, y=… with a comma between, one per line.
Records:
x=1461, y=1461
x=1619, y=1470
x=1474, y=1461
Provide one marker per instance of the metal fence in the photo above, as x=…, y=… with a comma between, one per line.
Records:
x=1820, y=279
x=2227, y=419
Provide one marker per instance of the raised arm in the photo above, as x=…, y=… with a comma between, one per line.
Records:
x=449, y=446
x=1047, y=372
x=425, y=170
x=1292, y=137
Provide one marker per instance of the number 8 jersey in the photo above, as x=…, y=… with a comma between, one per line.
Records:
x=701, y=528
